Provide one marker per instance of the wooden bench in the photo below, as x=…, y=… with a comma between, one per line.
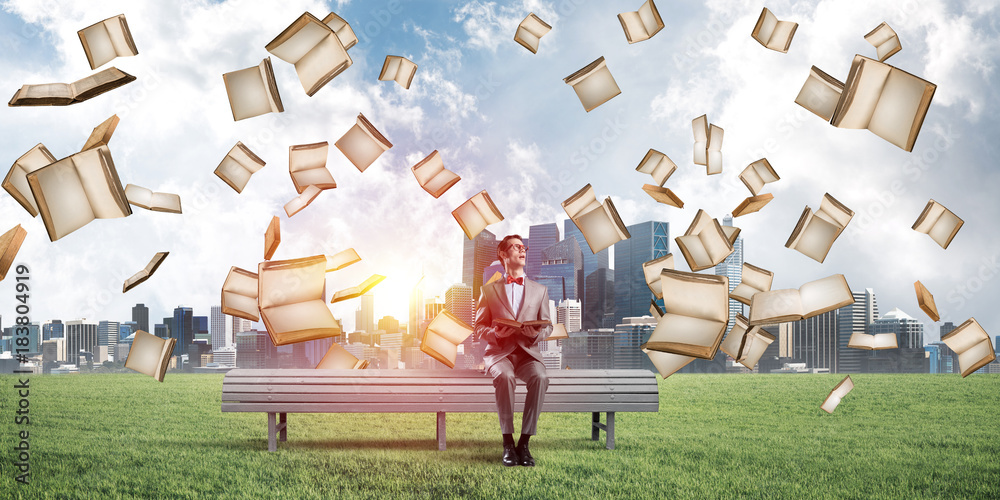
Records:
x=279, y=392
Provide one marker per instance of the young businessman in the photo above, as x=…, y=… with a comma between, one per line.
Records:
x=513, y=353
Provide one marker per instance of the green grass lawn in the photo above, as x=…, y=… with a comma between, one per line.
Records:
x=715, y=436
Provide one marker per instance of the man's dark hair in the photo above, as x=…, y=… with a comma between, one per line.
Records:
x=505, y=245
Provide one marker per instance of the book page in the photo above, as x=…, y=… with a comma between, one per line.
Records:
x=95, y=84
x=100, y=182
x=744, y=293
x=945, y=227
x=972, y=355
x=42, y=90
x=139, y=196
x=820, y=94
x=825, y=294
x=598, y=228
x=756, y=277
x=678, y=328
x=321, y=64
x=119, y=38
x=635, y=30
x=965, y=337
x=651, y=21
x=863, y=90
x=900, y=110
x=404, y=75
x=781, y=36
x=716, y=245
x=319, y=177
x=768, y=306
x=695, y=295
x=246, y=158
x=337, y=358
x=62, y=199
x=860, y=340
x=834, y=212
x=535, y=25
x=302, y=201
x=693, y=247
x=817, y=238
x=300, y=316
x=146, y=353
x=439, y=348
x=282, y=282
x=596, y=86
x=583, y=201
x=343, y=30
x=441, y=182
x=700, y=128
x=97, y=40
x=884, y=341
x=527, y=39
x=667, y=363
x=241, y=306
x=447, y=326
x=233, y=173
x=359, y=147
x=299, y=38
x=247, y=93
x=470, y=219
x=342, y=259
x=166, y=202
x=765, y=26
x=16, y=182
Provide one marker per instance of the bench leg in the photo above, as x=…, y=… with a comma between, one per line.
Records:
x=282, y=420
x=595, y=432
x=272, y=444
x=441, y=431
x=610, y=431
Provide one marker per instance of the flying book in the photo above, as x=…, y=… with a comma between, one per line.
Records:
x=707, y=145
x=599, y=222
x=530, y=31
x=146, y=272
x=442, y=337
x=885, y=41
x=642, y=24
x=839, y=391
x=290, y=297
x=302, y=201
x=696, y=312
x=106, y=40
x=432, y=176
x=752, y=204
x=815, y=232
x=655, y=310
x=239, y=294
x=357, y=291
x=875, y=342
x=939, y=223
x=363, y=144
x=519, y=326
x=926, y=301
x=593, y=84
x=76, y=190
x=64, y=94
x=757, y=174
x=820, y=94
x=150, y=355
x=754, y=280
x=16, y=181
x=316, y=51
x=337, y=358
x=253, y=91
x=272, y=237
x=667, y=363
x=237, y=167
x=811, y=299
x=307, y=166
x=731, y=232
x=972, y=344
x=343, y=30
x=745, y=343
x=652, y=270
x=657, y=165
x=398, y=69
x=341, y=260
x=705, y=244
x=558, y=329
x=476, y=213
x=102, y=133
x=772, y=33
x=157, y=202
x=10, y=243
x=663, y=195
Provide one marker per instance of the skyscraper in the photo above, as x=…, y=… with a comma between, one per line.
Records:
x=598, y=298
x=81, y=335
x=458, y=300
x=814, y=341
x=52, y=330
x=629, y=335
x=416, y=310
x=591, y=261
x=364, y=317
x=477, y=253
x=542, y=236
x=649, y=240
x=182, y=329
x=562, y=266
x=732, y=268
x=107, y=334
x=568, y=314
x=851, y=319
x=909, y=356
x=140, y=314
x=220, y=339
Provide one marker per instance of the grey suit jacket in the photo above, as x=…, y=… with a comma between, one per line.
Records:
x=493, y=303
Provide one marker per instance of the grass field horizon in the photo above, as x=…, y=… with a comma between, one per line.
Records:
x=715, y=436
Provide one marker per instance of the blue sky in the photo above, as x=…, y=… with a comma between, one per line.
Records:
x=504, y=120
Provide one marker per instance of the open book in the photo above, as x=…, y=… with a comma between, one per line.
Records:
x=939, y=223
x=754, y=280
x=530, y=31
x=660, y=167
x=839, y=391
x=307, y=166
x=237, y=167
x=64, y=94
x=302, y=201
x=442, y=337
x=476, y=213
x=972, y=344
x=363, y=143
x=667, y=363
x=875, y=342
x=106, y=40
x=253, y=91
x=885, y=41
x=342, y=29
x=642, y=24
x=652, y=270
x=558, y=329
x=157, y=202
x=517, y=325
x=815, y=232
x=820, y=94
x=316, y=51
x=593, y=84
x=811, y=299
x=290, y=297
x=926, y=301
x=696, y=312
x=745, y=343
x=10, y=243
x=357, y=291
x=76, y=190
x=599, y=222
x=707, y=145
x=705, y=244
x=752, y=204
x=432, y=176
x=16, y=181
x=757, y=174
x=150, y=355
x=102, y=133
x=239, y=294
x=272, y=237
x=146, y=272
x=342, y=259
x=337, y=358
x=398, y=69
x=772, y=33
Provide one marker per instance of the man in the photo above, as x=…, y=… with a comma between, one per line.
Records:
x=512, y=352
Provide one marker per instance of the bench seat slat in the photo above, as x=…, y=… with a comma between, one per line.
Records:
x=428, y=407
x=417, y=398
x=482, y=380
x=235, y=389
x=436, y=374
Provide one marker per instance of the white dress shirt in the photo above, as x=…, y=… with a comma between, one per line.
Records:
x=515, y=294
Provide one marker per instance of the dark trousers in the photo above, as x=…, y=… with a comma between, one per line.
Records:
x=519, y=364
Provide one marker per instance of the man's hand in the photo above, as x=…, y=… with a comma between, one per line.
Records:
x=504, y=331
x=531, y=332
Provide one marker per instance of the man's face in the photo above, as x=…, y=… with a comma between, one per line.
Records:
x=517, y=252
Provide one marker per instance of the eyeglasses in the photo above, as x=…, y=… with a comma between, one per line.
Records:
x=520, y=247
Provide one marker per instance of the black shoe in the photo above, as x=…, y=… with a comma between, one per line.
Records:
x=510, y=457
x=525, y=455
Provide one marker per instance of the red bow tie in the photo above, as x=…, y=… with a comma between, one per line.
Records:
x=519, y=281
